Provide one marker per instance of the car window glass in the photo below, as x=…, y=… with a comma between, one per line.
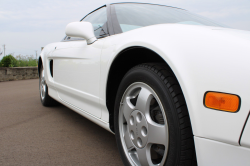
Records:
x=132, y=16
x=98, y=20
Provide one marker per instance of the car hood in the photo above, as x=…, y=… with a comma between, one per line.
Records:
x=193, y=38
x=194, y=30
x=232, y=32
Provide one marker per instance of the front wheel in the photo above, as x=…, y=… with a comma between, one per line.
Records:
x=152, y=124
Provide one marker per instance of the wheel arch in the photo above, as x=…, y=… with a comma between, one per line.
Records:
x=123, y=62
x=39, y=65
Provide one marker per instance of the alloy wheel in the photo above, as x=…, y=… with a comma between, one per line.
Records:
x=143, y=126
x=43, y=87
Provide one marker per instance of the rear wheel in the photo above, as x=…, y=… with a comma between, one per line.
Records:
x=46, y=100
x=151, y=119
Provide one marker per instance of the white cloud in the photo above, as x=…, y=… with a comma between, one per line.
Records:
x=27, y=25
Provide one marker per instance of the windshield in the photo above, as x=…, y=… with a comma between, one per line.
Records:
x=131, y=16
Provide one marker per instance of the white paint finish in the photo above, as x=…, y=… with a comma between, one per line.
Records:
x=108, y=55
x=77, y=74
x=85, y=114
x=46, y=52
x=88, y=115
x=213, y=153
x=81, y=29
x=203, y=59
x=245, y=139
x=97, y=120
x=53, y=92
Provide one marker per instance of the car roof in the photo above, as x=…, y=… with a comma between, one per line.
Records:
x=131, y=3
x=146, y=4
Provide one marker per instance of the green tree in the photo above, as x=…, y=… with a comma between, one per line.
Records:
x=8, y=61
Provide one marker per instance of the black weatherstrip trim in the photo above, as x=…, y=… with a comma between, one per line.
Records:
x=93, y=11
x=115, y=23
x=147, y=4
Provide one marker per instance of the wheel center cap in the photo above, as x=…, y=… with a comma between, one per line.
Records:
x=138, y=128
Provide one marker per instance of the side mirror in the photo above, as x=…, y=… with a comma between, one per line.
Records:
x=81, y=29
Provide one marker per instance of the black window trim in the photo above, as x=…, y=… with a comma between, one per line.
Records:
x=146, y=4
x=113, y=26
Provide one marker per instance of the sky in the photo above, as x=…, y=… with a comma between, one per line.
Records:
x=28, y=25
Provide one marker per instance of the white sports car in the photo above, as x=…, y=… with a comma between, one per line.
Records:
x=170, y=84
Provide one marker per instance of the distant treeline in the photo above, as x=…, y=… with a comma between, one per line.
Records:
x=18, y=61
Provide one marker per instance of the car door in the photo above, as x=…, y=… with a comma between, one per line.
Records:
x=76, y=67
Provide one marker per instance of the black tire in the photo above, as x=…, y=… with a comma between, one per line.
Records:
x=160, y=78
x=46, y=101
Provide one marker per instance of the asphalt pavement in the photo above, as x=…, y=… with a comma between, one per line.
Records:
x=34, y=135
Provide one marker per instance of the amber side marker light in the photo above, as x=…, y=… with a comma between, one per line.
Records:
x=222, y=101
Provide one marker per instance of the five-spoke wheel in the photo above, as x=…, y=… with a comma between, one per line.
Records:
x=151, y=119
x=143, y=126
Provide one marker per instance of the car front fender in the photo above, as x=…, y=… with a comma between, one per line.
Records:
x=203, y=59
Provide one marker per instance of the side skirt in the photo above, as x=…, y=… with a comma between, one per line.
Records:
x=98, y=121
